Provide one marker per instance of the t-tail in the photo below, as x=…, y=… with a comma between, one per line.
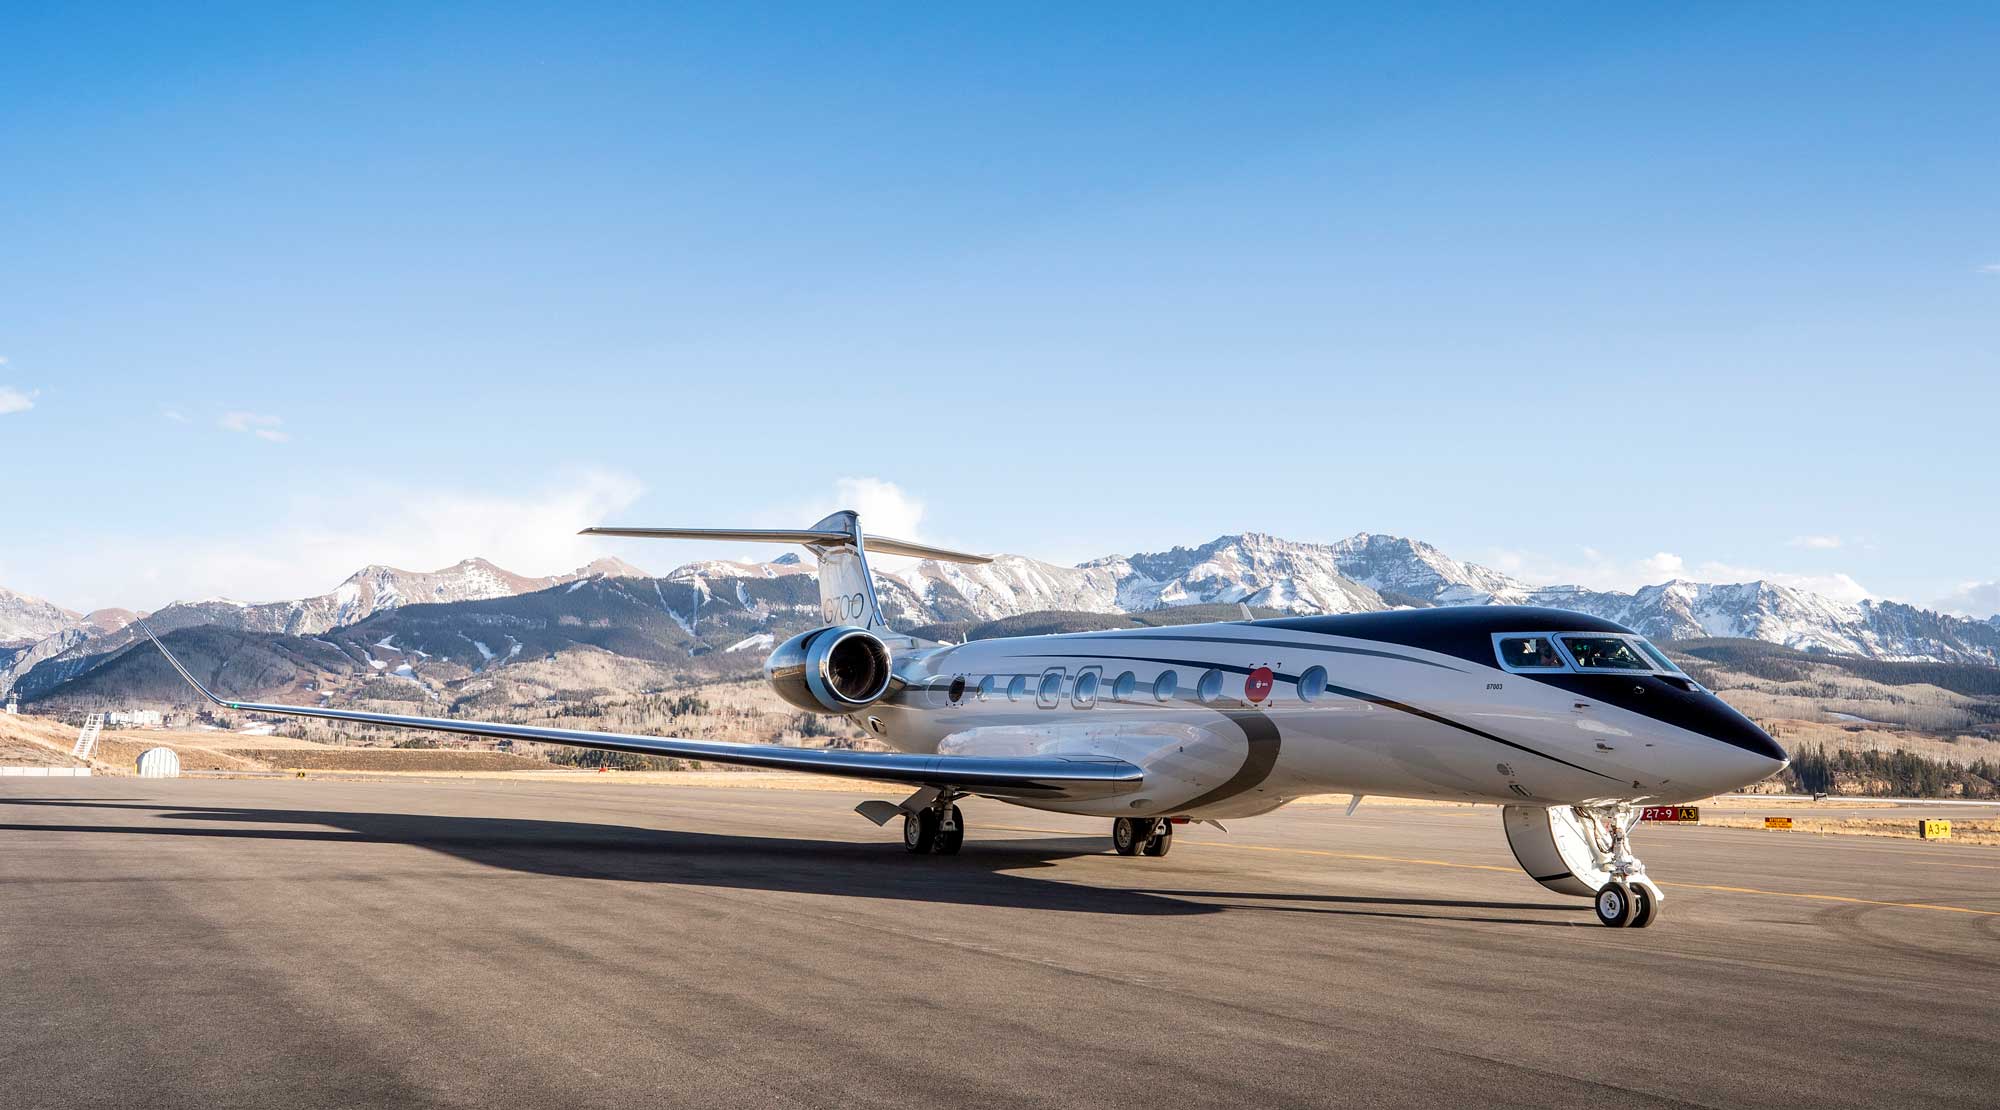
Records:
x=846, y=588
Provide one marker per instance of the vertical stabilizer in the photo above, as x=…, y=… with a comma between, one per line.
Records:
x=846, y=588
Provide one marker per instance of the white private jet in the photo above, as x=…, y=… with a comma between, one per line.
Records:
x=1568, y=722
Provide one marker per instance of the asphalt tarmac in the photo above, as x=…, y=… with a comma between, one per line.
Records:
x=189, y=943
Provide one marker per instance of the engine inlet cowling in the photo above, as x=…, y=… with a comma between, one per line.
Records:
x=837, y=669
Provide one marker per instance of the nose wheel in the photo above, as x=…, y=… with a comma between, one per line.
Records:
x=1624, y=905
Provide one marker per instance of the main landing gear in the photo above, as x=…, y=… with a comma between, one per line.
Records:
x=932, y=825
x=1150, y=836
x=937, y=829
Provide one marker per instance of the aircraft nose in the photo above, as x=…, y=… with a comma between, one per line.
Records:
x=1757, y=756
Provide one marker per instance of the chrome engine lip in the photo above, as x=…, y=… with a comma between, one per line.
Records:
x=819, y=675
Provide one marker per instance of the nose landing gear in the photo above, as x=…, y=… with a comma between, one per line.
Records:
x=1586, y=852
x=1132, y=836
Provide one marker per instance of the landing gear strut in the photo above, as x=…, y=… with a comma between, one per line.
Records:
x=936, y=829
x=1629, y=898
x=1152, y=836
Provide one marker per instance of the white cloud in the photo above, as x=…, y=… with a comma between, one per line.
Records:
x=1972, y=599
x=309, y=545
x=885, y=508
x=174, y=414
x=261, y=425
x=1989, y=268
x=1664, y=566
x=13, y=400
x=1817, y=543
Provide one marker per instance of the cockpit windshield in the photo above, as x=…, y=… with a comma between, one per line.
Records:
x=1529, y=653
x=1587, y=652
x=1659, y=657
x=1606, y=653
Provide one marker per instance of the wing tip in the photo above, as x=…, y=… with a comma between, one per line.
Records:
x=177, y=666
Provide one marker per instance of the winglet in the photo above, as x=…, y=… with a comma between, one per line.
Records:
x=191, y=679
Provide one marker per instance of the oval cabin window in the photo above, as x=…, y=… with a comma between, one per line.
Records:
x=1210, y=688
x=1312, y=683
x=1084, y=694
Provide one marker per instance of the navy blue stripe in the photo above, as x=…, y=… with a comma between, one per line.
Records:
x=1286, y=644
x=1357, y=695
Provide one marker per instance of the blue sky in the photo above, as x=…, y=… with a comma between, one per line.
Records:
x=1586, y=293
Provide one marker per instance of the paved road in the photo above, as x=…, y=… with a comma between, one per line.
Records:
x=303, y=944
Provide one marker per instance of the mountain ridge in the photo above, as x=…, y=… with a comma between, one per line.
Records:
x=484, y=617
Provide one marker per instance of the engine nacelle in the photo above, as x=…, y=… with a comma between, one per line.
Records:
x=836, y=669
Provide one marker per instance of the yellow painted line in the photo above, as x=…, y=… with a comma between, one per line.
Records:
x=1516, y=871
x=1301, y=851
x=1834, y=898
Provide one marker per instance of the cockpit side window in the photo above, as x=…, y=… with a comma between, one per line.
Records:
x=1659, y=657
x=1606, y=653
x=1528, y=653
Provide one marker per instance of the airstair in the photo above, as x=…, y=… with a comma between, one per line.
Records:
x=86, y=741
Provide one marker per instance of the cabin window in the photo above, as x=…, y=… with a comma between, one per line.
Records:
x=1312, y=683
x=1050, y=691
x=1083, y=694
x=1525, y=652
x=986, y=688
x=958, y=689
x=1605, y=653
x=1123, y=685
x=1166, y=686
x=1210, y=687
x=1017, y=687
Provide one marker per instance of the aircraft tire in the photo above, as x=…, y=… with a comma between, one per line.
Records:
x=1126, y=837
x=1161, y=841
x=1614, y=905
x=949, y=842
x=920, y=832
x=1644, y=909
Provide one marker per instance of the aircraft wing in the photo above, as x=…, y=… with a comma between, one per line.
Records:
x=1080, y=777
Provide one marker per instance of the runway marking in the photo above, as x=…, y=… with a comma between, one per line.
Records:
x=1834, y=898
x=1515, y=870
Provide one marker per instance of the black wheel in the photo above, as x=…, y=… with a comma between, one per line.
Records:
x=1127, y=837
x=1162, y=839
x=1644, y=907
x=1614, y=904
x=950, y=840
x=920, y=832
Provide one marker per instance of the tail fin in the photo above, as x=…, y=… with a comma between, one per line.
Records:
x=846, y=589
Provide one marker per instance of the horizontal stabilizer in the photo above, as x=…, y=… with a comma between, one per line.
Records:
x=877, y=545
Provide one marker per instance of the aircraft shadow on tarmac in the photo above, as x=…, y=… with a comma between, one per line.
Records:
x=983, y=875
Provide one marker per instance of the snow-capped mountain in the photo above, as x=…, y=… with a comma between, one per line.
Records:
x=73, y=648
x=481, y=617
x=1008, y=585
x=30, y=618
x=1252, y=568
